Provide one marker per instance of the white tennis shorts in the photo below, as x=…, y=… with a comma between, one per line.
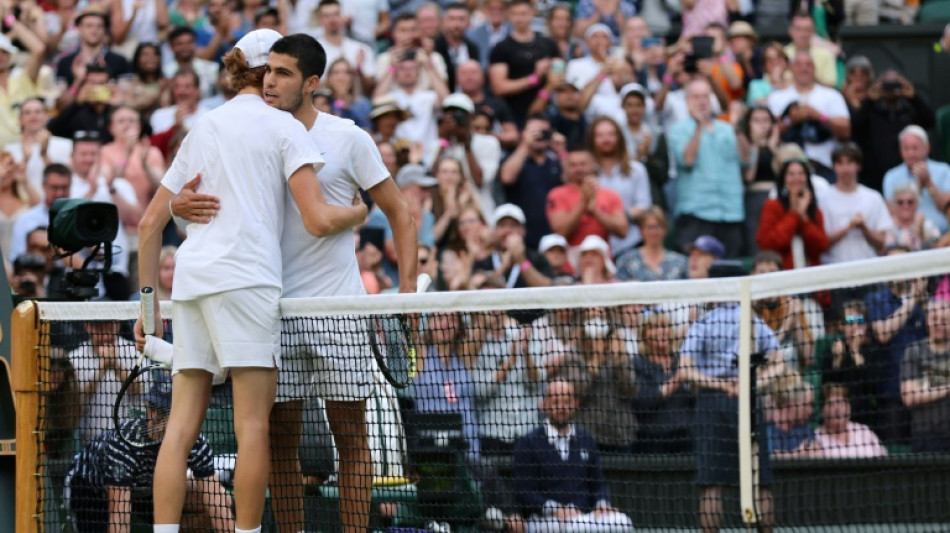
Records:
x=325, y=357
x=239, y=328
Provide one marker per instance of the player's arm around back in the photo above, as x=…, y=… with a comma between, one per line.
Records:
x=320, y=218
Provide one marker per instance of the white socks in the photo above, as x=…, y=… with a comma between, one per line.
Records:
x=165, y=528
x=255, y=530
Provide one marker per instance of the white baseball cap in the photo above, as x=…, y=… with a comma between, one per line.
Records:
x=594, y=243
x=256, y=46
x=550, y=241
x=507, y=211
x=458, y=101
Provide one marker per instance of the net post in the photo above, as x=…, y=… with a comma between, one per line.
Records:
x=25, y=329
x=746, y=452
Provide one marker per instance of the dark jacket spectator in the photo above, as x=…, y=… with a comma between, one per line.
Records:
x=892, y=103
x=664, y=406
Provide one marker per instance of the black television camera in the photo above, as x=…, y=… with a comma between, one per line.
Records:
x=76, y=224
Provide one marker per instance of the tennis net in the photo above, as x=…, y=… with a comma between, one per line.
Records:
x=815, y=400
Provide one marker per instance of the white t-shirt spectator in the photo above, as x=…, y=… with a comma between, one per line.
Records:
x=839, y=208
x=364, y=17
x=300, y=18
x=59, y=151
x=826, y=101
x=385, y=59
x=350, y=50
x=327, y=266
x=584, y=69
x=421, y=126
x=163, y=119
x=240, y=248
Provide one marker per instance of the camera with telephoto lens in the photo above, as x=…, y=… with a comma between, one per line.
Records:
x=76, y=224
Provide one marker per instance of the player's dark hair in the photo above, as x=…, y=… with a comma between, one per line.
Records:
x=327, y=3
x=310, y=55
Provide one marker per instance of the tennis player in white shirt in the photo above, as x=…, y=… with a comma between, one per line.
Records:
x=229, y=278
x=342, y=362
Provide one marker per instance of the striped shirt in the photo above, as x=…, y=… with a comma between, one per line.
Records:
x=108, y=461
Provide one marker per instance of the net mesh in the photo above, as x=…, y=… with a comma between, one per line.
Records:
x=599, y=408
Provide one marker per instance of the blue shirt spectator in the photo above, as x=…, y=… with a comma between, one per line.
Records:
x=586, y=10
x=447, y=387
x=711, y=187
x=898, y=300
x=787, y=441
x=939, y=176
x=713, y=341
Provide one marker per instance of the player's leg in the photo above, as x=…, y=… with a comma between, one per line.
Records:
x=194, y=365
x=191, y=392
x=254, y=390
x=345, y=366
x=244, y=326
x=286, y=479
x=710, y=509
x=348, y=423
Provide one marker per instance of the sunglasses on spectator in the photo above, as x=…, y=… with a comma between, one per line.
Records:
x=854, y=319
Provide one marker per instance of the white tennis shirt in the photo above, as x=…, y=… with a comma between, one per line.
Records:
x=327, y=266
x=245, y=152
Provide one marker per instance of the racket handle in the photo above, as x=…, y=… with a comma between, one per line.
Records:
x=148, y=310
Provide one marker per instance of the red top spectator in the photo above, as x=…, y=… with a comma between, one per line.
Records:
x=581, y=207
x=792, y=224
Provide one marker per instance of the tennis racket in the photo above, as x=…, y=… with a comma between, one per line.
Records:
x=144, y=401
x=392, y=339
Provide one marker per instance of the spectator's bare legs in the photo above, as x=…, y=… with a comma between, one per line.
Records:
x=710, y=509
x=286, y=479
x=191, y=392
x=207, y=507
x=348, y=424
x=254, y=390
x=764, y=502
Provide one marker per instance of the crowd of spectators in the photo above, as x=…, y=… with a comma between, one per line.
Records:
x=541, y=144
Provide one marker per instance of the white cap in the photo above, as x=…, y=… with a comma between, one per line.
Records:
x=593, y=243
x=507, y=211
x=550, y=241
x=458, y=101
x=599, y=27
x=633, y=88
x=256, y=46
x=6, y=45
